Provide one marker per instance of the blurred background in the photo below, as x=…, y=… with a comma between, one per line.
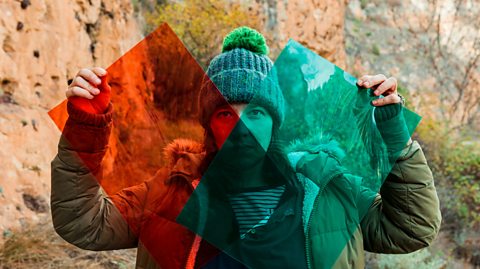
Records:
x=431, y=46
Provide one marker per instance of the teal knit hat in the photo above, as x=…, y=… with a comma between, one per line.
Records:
x=242, y=73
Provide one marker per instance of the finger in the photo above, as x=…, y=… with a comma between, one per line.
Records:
x=372, y=81
x=362, y=80
x=390, y=99
x=99, y=71
x=82, y=83
x=77, y=91
x=89, y=76
x=388, y=86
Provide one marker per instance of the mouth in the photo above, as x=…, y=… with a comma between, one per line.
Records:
x=246, y=145
x=239, y=146
x=245, y=142
x=237, y=150
x=243, y=146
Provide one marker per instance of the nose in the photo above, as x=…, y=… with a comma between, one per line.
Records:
x=240, y=131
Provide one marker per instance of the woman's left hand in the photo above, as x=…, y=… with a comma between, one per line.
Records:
x=381, y=85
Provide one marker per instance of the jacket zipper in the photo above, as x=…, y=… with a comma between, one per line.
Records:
x=195, y=244
x=307, y=236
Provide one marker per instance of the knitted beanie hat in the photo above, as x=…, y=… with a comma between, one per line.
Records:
x=242, y=73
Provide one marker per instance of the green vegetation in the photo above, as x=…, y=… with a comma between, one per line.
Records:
x=363, y=4
x=201, y=25
x=375, y=49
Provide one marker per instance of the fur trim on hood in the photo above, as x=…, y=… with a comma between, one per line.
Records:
x=180, y=147
x=315, y=144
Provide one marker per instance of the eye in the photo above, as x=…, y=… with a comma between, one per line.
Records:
x=256, y=112
x=224, y=114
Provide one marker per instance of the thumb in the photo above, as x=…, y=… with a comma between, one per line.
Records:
x=104, y=87
x=101, y=101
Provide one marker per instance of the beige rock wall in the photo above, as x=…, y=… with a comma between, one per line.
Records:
x=42, y=45
x=317, y=25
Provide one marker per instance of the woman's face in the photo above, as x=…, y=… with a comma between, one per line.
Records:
x=254, y=121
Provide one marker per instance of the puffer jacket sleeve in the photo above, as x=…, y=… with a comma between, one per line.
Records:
x=82, y=213
x=405, y=216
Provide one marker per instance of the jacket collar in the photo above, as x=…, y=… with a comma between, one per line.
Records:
x=185, y=156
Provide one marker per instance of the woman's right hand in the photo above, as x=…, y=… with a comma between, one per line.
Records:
x=89, y=90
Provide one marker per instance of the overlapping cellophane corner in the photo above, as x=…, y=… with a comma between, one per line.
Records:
x=326, y=114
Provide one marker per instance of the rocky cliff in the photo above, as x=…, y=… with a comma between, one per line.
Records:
x=43, y=44
x=318, y=25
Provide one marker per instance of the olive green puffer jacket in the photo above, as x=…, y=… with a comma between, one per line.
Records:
x=402, y=218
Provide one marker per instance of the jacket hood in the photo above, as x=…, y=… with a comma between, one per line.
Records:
x=184, y=157
x=327, y=154
x=316, y=144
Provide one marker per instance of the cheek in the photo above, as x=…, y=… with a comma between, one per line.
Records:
x=221, y=130
x=265, y=139
x=263, y=133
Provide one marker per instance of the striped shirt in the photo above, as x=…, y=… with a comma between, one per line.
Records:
x=254, y=208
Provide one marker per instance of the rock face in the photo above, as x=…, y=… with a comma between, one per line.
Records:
x=43, y=44
x=318, y=25
x=440, y=40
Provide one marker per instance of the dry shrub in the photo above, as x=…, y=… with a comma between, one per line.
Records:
x=38, y=246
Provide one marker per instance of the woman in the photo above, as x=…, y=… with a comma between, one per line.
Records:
x=304, y=209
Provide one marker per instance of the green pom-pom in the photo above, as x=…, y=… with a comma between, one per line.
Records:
x=246, y=38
